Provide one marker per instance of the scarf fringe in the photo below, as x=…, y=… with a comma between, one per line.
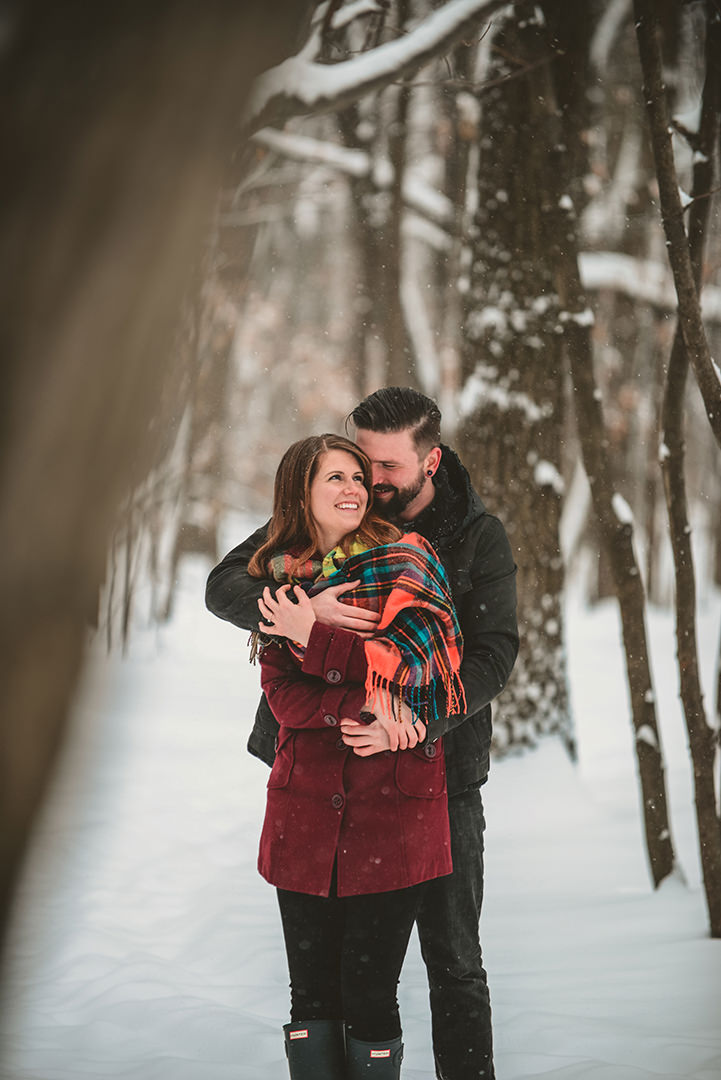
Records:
x=441, y=696
x=257, y=643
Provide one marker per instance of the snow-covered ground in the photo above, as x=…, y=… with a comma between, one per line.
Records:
x=146, y=946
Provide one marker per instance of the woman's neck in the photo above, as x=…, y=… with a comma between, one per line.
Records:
x=328, y=543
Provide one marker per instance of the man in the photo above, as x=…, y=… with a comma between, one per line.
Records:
x=422, y=486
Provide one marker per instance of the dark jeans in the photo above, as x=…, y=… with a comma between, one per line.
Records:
x=448, y=930
x=345, y=957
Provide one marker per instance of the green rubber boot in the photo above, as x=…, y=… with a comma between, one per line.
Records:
x=374, y=1061
x=315, y=1050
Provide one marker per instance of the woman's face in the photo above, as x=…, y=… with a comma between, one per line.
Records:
x=338, y=498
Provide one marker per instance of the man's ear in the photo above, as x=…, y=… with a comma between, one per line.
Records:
x=433, y=460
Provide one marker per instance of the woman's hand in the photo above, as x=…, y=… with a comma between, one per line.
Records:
x=366, y=739
x=283, y=617
x=330, y=609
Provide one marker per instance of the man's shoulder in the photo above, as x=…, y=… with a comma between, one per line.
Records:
x=481, y=532
x=479, y=537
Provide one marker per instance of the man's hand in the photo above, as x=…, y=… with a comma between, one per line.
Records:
x=283, y=617
x=329, y=609
x=403, y=729
x=382, y=734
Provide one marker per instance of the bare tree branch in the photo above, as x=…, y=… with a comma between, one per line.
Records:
x=417, y=194
x=301, y=87
x=689, y=308
x=645, y=281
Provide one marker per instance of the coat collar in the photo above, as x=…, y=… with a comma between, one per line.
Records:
x=455, y=503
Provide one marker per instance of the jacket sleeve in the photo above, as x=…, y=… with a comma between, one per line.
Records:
x=486, y=609
x=231, y=593
x=328, y=686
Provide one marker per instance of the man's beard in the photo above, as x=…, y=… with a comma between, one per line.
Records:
x=401, y=498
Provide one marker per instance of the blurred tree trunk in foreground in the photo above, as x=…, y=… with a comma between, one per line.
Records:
x=116, y=124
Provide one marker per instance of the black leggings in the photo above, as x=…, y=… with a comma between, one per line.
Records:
x=345, y=957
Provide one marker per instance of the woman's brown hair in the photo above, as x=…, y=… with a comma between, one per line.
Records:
x=291, y=527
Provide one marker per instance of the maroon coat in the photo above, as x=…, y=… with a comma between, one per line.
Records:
x=384, y=816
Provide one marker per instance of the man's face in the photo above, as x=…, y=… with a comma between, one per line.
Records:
x=399, y=474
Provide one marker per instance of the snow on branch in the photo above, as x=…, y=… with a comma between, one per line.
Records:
x=315, y=151
x=621, y=509
x=349, y=12
x=640, y=279
x=417, y=194
x=647, y=735
x=481, y=388
x=547, y=475
x=301, y=87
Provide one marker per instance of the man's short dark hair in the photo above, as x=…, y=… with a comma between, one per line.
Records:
x=396, y=408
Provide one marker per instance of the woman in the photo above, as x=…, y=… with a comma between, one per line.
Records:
x=351, y=832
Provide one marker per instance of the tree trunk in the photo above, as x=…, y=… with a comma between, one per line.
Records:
x=462, y=113
x=616, y=530
x=614, y=520
x=380, y=338
x=512, y=403
x=400, y=362
x=363, y=326
x=702, y=737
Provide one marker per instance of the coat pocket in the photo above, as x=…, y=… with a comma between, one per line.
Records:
x=421, y=773
x=283, y=764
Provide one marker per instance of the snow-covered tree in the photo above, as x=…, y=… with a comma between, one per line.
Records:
x=513, y=397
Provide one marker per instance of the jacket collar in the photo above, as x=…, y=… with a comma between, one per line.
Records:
x=455, y=503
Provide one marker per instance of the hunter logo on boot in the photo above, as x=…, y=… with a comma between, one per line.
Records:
x=380, y=1053
x=302, y=1034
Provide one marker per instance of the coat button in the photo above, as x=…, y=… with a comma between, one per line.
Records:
x=333, y=675
x=330, y=720
x=340, y=745
x=337, y=801
x=430, y=750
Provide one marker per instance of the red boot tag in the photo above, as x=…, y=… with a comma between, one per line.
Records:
x=380, y=1053
x=302, y=1034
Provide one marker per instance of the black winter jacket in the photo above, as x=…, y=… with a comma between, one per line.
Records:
x=474, y=549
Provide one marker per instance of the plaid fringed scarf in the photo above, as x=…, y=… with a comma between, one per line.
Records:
x=282, y=564
x=415, y=653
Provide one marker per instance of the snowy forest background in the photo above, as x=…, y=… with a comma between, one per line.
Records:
x=491, y=230
x=514, y=207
